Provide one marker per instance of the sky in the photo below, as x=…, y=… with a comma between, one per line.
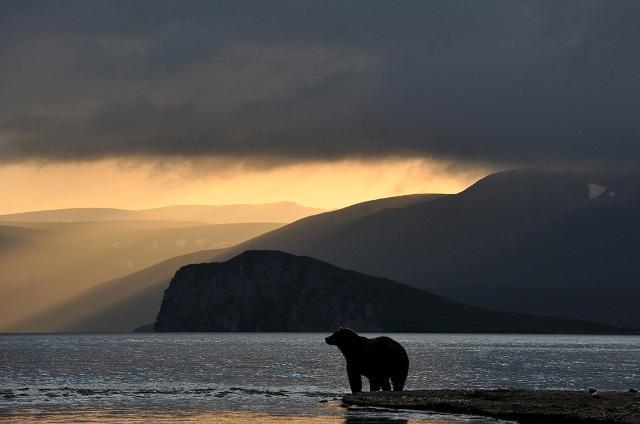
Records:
x=149, y=103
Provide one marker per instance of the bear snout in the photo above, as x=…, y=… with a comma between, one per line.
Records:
x=328, y=340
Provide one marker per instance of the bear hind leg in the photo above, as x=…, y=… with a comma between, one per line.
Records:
x=374, y=384
x=386, y=385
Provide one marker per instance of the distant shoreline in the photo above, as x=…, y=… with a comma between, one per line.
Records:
x=525, y=406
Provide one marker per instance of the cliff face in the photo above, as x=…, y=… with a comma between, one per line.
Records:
x=264, y=291
x=276, y=291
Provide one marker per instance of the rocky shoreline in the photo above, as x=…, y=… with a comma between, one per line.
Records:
x=525, y=406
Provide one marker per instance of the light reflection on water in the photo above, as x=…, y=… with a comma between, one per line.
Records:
x=235, y=377
x=241, y=417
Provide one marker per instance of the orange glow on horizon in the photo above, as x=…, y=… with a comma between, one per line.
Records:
x=118, y=184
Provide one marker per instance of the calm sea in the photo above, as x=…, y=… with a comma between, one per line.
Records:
x=250, y=378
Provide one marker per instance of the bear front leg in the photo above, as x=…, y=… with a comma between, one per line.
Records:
x=355, y=381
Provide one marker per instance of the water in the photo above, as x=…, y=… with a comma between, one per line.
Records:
x=279, y=377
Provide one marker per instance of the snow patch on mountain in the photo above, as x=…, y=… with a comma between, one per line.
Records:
x=595, y=190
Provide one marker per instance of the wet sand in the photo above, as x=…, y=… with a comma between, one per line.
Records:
x=525, y=406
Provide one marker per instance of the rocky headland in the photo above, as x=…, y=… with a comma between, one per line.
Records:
x=277, y=291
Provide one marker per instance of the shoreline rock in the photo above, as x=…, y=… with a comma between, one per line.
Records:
x=525, y=406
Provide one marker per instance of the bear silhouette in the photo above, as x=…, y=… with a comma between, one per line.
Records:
x=379, y=359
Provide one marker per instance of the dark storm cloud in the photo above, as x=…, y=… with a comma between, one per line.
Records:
x=493, y=81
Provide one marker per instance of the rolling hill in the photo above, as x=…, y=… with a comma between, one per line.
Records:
x=225, y=214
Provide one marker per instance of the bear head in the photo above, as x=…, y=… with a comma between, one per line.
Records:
x=343, y=337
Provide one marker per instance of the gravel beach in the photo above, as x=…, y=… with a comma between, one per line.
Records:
x=526, y=406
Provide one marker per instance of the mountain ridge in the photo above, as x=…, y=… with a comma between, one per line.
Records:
x=284, y=211
x=276, y=291
x=472, y=247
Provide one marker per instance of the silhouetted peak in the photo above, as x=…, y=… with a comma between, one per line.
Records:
x=522, y=179
x=571, y=188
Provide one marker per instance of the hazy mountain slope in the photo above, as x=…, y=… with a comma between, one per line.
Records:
x=68, y=215
x=49, y=263
x=118, y=305
x=224, y=214
x=13, y=236
x=297, y=235
x=269, y=212
x=277, y=291
x=157, y=277
x=582, y=265
x=19, y=232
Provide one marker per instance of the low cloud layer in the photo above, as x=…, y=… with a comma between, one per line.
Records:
x=501, y=82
